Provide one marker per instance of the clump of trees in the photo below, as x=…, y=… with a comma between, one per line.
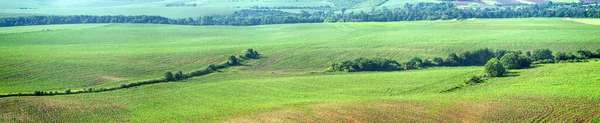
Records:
x=480, y=57
x=181, y=5
x=251, y=54
x=366, y=64
x=409, y=12
x=514, y=61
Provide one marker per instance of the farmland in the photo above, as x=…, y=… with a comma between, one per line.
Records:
x=119, y=53
x=211, y=7
x=289, y=83
x=542, y=94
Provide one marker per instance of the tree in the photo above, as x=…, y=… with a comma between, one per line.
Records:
x=414, y=63
x=452, y=60
x=559, y=56
x=179, y=75
x=211, y=67
x=169, y=76
x=494, y=68
x=585, y=53
x=251, y=54
x=542, y=54
x=524, y=61
x=233, y=60
x=514, y=61
x=510, y=61
x=438, y=61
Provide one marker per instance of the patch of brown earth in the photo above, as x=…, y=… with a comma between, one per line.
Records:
x=507, y=109
x=43, y=109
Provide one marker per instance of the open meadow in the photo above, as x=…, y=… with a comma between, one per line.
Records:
x=288, y=84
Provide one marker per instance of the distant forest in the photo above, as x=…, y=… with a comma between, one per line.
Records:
x=409, y=12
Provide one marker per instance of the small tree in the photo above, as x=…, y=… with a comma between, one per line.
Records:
x=524, y=61
x=179, y=75
x=233, y=61
x=542, y=54
x=251, y=54
x=494, y=68
x=212, y=67
x=438, y=61
x=510, y=61
x=169, y=76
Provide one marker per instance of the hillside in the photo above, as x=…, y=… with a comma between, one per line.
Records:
x=288, y=84
x=547, y=93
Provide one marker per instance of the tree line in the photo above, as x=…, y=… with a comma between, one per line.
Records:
x=327, y=7
x=168, y=77
x=491, y=59
x=409, y=12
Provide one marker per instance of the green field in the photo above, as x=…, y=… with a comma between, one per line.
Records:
x=288, y=83
x=119, y=53
x=542, y=94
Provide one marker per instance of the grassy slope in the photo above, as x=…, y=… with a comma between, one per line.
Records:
x=547, y=93
x=119, y=53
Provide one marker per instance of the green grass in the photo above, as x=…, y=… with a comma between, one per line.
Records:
x=249, y=96
x=121, y=53
x=288, y=83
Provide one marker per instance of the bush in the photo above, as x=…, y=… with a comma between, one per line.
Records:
x=169, y=76
x=474, y=80
x=494, y=68
x=251, y=54
x=542, y=54
x=178, y=75
x=233, y=60
x=414, y=63
x=38, y=93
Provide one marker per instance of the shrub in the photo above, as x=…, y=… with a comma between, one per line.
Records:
x=438, y=61
x=514, y=61
x=38, y=93
x=68, y=91
x=251, y=54
x=494, y=68
x=178, y=75
x=542, y=54
x=474, y=80
x=233, y=61
x=169, y=76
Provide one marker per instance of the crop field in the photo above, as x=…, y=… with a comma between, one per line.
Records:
x=548, y=93
x=119, y=53
x=288, y=84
